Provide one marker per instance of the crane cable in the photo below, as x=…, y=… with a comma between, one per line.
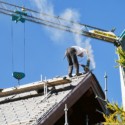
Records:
x=17, y=75
x=12, y=48
x=24, y=41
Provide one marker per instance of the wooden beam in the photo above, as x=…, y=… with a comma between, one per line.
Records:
x=34, y=86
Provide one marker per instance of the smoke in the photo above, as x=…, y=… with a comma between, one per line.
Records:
x=85, y=43
x=90, y=52
x=71, y=15
x=45, y=6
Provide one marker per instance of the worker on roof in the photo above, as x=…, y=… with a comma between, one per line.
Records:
x=71, y=54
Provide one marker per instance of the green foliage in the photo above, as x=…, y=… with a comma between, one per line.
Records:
x=117, y=117
x=121, y=54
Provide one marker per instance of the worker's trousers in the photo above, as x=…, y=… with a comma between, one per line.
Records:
x=72, y=60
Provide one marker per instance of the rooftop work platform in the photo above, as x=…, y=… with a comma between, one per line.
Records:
x=36, y=104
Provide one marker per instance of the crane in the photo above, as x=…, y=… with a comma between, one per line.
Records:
x=23, y=14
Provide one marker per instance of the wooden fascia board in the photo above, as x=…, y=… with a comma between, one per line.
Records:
x=99, y=92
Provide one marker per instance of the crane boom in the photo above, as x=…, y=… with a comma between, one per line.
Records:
x=19, y=13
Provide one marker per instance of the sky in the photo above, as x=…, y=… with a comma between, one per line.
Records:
x=44, y=50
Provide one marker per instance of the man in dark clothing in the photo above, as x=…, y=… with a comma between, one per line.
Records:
x=71, y=54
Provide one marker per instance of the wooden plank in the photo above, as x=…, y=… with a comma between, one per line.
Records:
x=34, y=86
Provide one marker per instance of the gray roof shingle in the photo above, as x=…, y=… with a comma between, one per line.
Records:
x=29, y=107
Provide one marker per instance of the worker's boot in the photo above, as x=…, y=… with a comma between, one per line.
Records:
x=77, y=70
x=70, y=71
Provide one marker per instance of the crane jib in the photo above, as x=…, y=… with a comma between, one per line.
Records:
x=21, y=14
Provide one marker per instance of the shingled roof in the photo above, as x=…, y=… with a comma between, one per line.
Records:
x=30, y=105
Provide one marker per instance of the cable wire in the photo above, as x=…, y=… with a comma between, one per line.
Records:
x=12, y=46
x=24, y=47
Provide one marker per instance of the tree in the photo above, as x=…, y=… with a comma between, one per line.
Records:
x=117, y=117
x=121, y=53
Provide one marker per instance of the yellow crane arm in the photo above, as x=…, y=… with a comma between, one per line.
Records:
x=21, y=14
